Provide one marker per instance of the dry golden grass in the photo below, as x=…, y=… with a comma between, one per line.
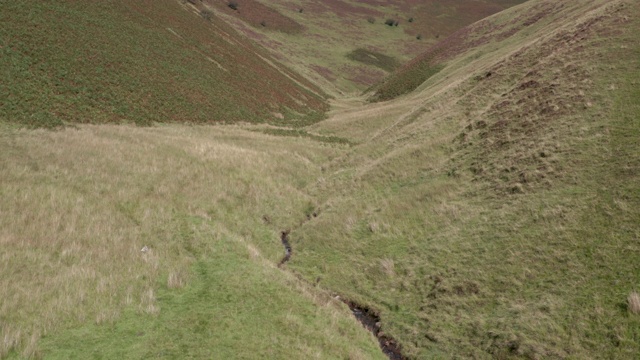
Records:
x=634, y=302
x=77, y=207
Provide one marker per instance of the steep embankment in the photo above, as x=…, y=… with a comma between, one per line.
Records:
x=493, y=211
x=140, y=62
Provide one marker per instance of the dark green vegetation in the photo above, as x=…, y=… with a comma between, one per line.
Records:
x=376, y=59
x=405, y=80
x=138, y=62
x=306, y=134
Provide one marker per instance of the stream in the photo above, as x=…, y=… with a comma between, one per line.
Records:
x=367, y=317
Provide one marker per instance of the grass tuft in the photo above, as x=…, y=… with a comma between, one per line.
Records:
x=633, y=302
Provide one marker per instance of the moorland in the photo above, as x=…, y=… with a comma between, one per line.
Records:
x=465, y=179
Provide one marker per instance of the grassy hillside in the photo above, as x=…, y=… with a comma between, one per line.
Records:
x=142, y=62
x=318, y=38
x=496, y=29
x=491, y=211
x=208, y=203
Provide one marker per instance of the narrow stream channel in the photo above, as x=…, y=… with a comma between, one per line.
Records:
x=371, y=321
x=368, y=318
x=284, y=237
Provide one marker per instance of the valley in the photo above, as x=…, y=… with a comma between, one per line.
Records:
x=478, y=199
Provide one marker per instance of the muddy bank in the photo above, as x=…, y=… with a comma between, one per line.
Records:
x=371, y=321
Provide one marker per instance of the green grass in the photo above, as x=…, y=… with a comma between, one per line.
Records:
x=208, y=202
x=232, y=308
x=405, y=80
x=376, y=59
x=305, y=134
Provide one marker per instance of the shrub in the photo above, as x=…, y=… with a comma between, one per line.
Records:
x=263, y=23
x=206, y=14
x=371, y=20
x=233, y=5
x=410, y=20
x=419, y=36
x=390, y=22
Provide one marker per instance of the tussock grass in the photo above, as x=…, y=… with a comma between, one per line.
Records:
x=77, y=206
x=634, y=303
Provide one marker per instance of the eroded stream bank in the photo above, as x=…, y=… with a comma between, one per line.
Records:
x=284, y=238
x=367, y=317
x=371, y=321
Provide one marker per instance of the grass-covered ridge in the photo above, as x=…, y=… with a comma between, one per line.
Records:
x=142, y=62
x=496, y=28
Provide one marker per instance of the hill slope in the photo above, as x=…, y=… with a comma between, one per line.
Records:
x=142, y=62
x=493, y=211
